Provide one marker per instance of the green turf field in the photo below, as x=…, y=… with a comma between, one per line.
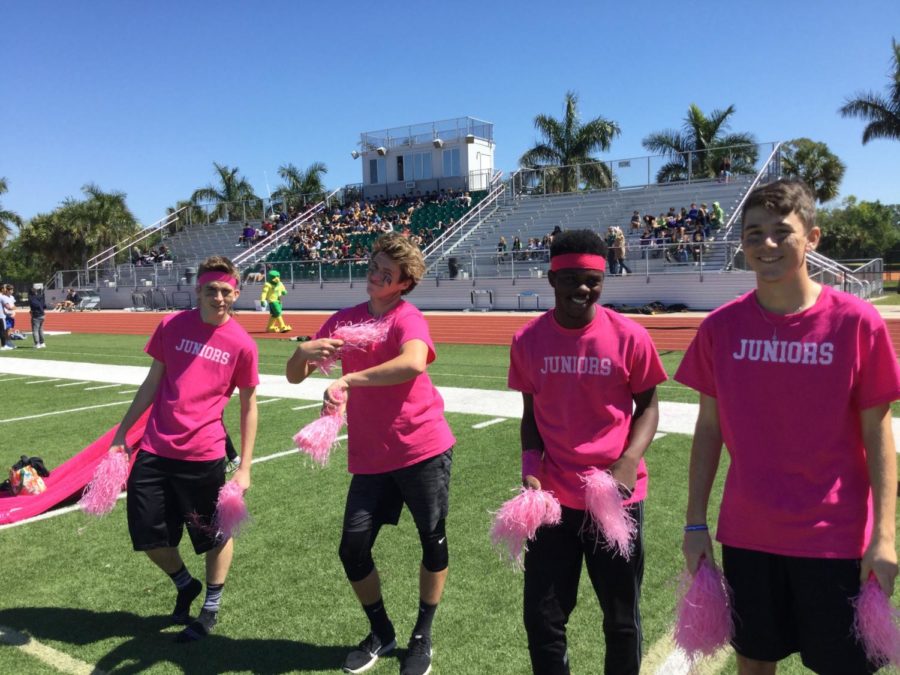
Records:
x=73, y=583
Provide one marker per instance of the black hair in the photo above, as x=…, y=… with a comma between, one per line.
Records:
x=577, y=241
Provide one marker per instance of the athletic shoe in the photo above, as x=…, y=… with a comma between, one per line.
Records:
x=367, y=654
x=7, y=347
x=418, y=656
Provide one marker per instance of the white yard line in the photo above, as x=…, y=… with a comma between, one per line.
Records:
x=130, y=391
x=10, y=379
x=61, y=412
x=55, y=379
x=72, y=384
x=47, y=655
x=496, y=420
x=268, y=400
x=102, y=386
x=674, y=418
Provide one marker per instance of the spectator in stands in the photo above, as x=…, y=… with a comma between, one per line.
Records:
x=37, y=306
x=517, y=248
x=501, y=250
x=693, y=213
x=136, y=256
x=717, y=217
x=635, y=221
x=612, y=259
x=725, y=173
x=621, y=251
x=72, y=298
x=697, y=239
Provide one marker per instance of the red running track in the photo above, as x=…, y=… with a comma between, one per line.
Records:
x=669, y=332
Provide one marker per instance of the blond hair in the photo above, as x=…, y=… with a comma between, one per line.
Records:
x=405, y=253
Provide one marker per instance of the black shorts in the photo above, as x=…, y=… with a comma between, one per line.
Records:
x=786, y=604
x=377, y=499
x=166, y=494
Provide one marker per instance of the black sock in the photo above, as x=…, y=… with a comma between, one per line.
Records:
x=426, y=617
x=188, y=589
x=379, y=621
x=200, y=628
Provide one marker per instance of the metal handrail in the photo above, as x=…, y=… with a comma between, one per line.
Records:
x=116, y=248
x=488, y=200
x=249, y=256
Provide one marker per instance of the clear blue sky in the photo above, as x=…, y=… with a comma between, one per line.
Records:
x=144, y=97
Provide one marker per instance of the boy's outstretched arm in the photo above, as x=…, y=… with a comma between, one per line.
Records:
x=409, y=364
x=705, y=453
x=249, y=418
x=880, y=557
x=142, y=400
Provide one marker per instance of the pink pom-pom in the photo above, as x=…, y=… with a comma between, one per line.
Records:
x=518, y=521
x=318, y=438
x=231, y=511
x=704, y=623
x=876, y=625
x=608, y=515
x=355, y=336
x=109, y=479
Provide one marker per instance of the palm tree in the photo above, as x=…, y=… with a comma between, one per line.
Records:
x=301, y=185
x=8, y=219
x=702, y=147
x=815, y=165
x=191, y=215
x=567, y=143
x=227, y=198
x=883, y=114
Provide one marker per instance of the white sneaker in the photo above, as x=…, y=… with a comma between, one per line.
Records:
x=4, y=347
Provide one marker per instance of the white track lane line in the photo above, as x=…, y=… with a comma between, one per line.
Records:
x=488, y=423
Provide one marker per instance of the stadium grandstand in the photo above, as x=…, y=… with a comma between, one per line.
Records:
x=485, y=235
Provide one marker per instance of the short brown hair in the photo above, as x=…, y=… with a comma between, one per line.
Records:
x=218, y=263
x=785, y=196
x=403, y=252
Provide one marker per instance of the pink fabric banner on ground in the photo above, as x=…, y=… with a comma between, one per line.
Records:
x=68, y=479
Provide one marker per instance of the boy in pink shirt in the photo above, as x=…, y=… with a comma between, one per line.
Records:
x=399, y=446
x=588, y=379
x=199, y=357
x=809, y=503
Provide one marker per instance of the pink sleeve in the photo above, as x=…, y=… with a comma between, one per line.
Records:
x=645, y=370
x=696, y=369
x=246, y=373
x=412, y=326
x=879, y=374
x=154, y=345
x=518, y=378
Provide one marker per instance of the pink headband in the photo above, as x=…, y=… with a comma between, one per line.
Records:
x=206, y=277
x=581, y=261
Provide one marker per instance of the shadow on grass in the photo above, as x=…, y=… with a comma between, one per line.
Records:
x=146, y=646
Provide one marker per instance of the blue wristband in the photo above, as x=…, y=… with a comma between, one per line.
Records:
x=696, y=528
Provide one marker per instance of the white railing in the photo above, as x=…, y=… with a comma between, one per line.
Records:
x=771, y=167
x=476, y=214
x=259, y=249
x=115, y=249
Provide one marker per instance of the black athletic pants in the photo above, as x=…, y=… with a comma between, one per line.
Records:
x=552, y=571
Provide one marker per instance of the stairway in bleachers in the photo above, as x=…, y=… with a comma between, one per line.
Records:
x=194, y=244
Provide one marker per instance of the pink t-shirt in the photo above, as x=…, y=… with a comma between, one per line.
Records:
x=789, y=414
x=399, y=425
x=582, y=381
x=204, y=364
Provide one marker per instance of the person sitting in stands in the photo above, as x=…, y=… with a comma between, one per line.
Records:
x=72, y=299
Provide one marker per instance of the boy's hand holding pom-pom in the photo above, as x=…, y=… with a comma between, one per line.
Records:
x=109, y=480
x=877, y=625
x=609, y=516
x=231, y=511
x=518, y=521
x=703, y=624
x=318, y=438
